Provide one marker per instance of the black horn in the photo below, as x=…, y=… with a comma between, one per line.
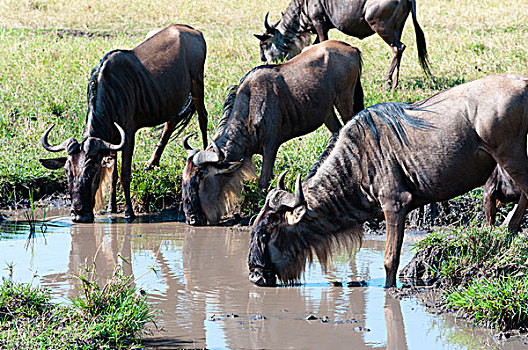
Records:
x=188, y=149
x=299, y=195
x=280, y=181
x=110, y=146
x=50, y=148
x=269, y=28
x=217, y=150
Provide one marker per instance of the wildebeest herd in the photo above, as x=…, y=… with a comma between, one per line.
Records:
x=387, y=159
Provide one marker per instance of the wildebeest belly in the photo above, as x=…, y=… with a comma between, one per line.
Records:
x=437, y=171
x=349, y=17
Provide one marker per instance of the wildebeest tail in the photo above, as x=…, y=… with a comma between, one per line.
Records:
x=185, y=116
x=420, y=42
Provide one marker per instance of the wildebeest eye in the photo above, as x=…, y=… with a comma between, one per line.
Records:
x=264, y=238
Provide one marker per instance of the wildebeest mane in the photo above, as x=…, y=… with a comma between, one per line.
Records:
x=394, y=115
x=229, y=102
x=125, y=92
x=91, y=90
x=330, y=143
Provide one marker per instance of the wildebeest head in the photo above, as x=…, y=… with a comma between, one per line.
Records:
x=204, y=181
x=276, y=47
x=276, y=249
x=87, y=165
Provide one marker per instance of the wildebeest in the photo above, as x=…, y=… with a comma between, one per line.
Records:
x=271, y=105
x=500, y=187
x=146, y=86
x=388, y=160
x=360, y=19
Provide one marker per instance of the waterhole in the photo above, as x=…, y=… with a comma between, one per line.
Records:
x=198, y=279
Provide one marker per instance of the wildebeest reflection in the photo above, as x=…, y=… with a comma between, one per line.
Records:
x=127, y=91
x=286, y=38
x=271, y=105
x=388, y=160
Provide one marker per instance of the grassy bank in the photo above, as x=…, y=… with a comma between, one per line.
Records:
x=482, y=273
x=53, y=45
x=107, y=317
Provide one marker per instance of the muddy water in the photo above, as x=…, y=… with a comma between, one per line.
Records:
x=198, y=278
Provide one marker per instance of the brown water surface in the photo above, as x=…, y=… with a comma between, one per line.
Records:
x=198, y=278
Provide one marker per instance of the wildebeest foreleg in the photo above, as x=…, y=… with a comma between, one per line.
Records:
x=395, y=212
x=332, y=123
x=126, y=172
x=514, y=218
x=112, y=204
x=268, y=159
x=197, y=92
x=321, y=31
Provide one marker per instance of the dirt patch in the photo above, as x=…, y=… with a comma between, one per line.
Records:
x=76, y=33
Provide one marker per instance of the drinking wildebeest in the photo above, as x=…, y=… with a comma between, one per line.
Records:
x=500, y=187
x=389, y=159
x=146, y=86
x=271, y=105
x=360, y=19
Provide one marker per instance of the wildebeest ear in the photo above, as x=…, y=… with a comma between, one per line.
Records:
x=53, y=163
x=108, y=161
x=295, y=215
x=262, y=37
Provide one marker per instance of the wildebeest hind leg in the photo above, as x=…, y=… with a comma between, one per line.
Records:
x=197, y=92
x=517, y=167
x=393, y=73
x=169, y=128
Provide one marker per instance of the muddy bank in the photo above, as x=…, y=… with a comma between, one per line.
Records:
x=52, y=192
x=477, y=273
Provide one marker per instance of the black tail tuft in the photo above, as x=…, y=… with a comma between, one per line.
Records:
x=420, y=42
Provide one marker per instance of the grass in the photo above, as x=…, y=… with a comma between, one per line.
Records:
x=43, y=78
x=108, y=317
x=483, y=273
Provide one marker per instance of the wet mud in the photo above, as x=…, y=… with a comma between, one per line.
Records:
x=198, y=279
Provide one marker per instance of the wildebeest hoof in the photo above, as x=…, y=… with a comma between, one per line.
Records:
x=257, y=277
x=151, y=164
x=130, y=216
x=82, y=218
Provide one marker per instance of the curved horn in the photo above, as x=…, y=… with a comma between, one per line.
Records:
x=50, y=148
x=217, y=150
x=299, y=195
x=266, y=24
x=111, y=147
x=185, y=141
x=280, y=181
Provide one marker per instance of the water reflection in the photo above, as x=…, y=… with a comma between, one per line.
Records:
x=198, y=278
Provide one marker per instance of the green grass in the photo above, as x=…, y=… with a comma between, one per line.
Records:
x=483, y=273
x=43, y=78
x=107, y=317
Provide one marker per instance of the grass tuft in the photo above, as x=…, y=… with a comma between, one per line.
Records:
x=107, y=317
